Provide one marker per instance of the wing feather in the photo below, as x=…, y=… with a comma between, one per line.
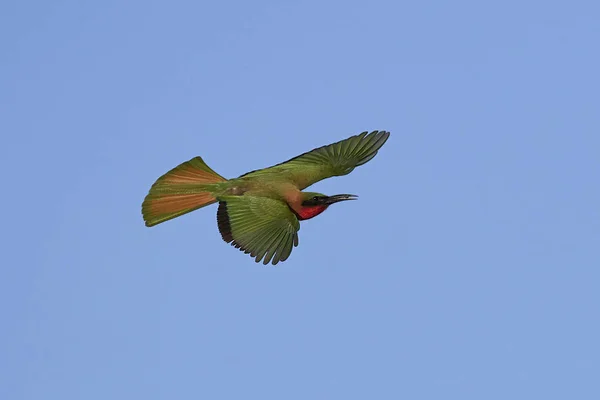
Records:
x=264, y=228
x=336, y=159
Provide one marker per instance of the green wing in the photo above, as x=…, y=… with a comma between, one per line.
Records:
x=262, y=227
x=332, y=160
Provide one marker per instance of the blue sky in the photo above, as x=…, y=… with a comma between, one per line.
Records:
x=468, y=268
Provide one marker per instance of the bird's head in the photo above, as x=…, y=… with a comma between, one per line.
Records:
x=314, y=204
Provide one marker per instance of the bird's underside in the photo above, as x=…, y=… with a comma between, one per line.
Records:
x=259, y=212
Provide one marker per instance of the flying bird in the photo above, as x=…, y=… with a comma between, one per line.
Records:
x=259, y=212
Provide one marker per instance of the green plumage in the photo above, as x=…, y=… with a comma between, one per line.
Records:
x=336, y=159
x=259, y=212
x=260, y=226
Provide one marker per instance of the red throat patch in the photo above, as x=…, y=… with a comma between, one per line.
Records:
x=310, y=211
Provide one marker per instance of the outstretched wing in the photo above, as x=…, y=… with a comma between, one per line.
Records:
x=336, y=159
x=264, y=228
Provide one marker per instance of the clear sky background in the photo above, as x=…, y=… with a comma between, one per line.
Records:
x=468, y=268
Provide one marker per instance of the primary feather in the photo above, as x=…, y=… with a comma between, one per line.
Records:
x=258, y=226
x=336, y=159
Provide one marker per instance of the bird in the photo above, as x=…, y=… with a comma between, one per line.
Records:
x=260, y=211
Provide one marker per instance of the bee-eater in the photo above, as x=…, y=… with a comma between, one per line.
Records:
x=259, y=212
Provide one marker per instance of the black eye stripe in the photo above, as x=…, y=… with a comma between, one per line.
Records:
x=313, y=201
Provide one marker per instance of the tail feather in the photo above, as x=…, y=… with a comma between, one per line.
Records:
x=183, y=189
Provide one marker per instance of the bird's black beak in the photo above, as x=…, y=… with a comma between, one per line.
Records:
x=340, y=197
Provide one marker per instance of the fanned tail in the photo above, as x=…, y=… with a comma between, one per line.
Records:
x=183, y=189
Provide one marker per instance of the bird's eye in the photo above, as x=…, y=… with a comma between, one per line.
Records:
x=316, y=198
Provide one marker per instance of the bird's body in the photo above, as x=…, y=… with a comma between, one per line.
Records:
x=259, y=212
